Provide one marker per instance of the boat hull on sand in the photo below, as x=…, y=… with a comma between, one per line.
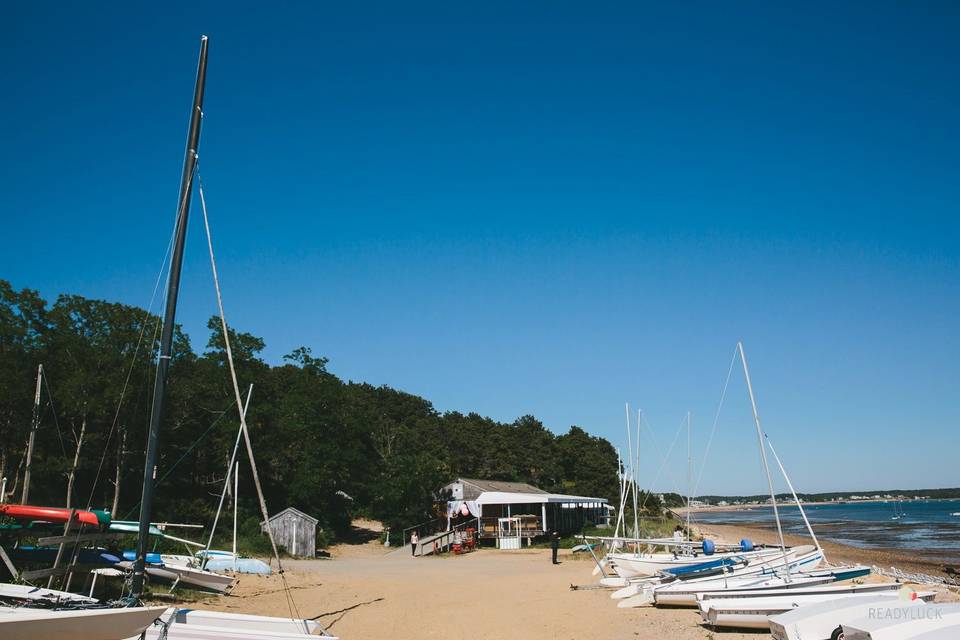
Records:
x=935, y=621
x=683, y=593
x=89, y=624
x=630, y=565
x=26, y=592
x=745, y=588
x=755, y=612
x=819, y=621
x=193, y=624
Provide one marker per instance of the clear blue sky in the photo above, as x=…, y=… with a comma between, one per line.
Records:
x=547, y=210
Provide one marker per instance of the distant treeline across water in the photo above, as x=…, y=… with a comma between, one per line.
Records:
x=933, y=494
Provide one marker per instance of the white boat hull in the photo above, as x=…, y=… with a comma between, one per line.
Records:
x=89, y=624
x=20, y=592
x=193, y=624
x=631, y=565
x=745, y=587
x=818, y=621
x=936, y=621
x=200, y=578
x=754, y=613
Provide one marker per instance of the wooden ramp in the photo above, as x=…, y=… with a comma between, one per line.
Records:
x=436, y=543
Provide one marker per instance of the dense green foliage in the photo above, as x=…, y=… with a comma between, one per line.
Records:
x=332, y=448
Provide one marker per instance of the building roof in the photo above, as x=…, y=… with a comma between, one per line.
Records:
x=296, y=512
x=503, y=497
x=502, y=492
x=501, y=486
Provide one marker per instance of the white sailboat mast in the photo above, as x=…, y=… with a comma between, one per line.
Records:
x=636, y=473
x=763, y=458
x=689, y=475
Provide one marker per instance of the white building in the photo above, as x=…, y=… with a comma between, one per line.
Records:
x=539, y=512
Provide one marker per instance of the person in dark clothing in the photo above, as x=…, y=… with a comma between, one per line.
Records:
x=554, y=545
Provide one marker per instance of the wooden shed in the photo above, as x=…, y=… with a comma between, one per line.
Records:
x=295, y=531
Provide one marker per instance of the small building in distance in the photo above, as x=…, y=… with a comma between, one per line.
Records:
x=295, y=531
x=532, y=512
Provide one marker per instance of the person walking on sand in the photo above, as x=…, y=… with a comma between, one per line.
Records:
x=554, y=545
x=414, y=539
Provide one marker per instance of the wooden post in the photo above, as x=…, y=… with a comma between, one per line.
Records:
x=76, y=459
x=34, y=423
x=116, y=482
x=66, y=531
x=6, y=560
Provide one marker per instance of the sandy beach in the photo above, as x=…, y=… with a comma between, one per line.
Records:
x=488, y=593
x=364, y=591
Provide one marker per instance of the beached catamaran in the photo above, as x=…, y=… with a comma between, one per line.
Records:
x=780, y=572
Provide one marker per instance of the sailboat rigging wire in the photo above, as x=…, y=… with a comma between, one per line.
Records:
x=53, y=410
x=793, y=492
x=226, y=482
x=184, y=455
x=133, y=364
x=294, y=612
x=663, y=459
x=633, y=474
x=716, y=420
x=763, y=457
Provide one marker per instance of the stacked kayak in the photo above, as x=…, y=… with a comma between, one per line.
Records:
x=55, y=515
x=47, y=555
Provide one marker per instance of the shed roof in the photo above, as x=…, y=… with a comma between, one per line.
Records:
x=296, y=512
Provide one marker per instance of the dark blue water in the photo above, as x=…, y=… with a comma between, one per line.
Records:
x=927, y=528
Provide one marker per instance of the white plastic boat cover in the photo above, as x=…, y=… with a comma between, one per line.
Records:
x=890, y=626
x=754, y=613
x=818, y=621
x=29, y=592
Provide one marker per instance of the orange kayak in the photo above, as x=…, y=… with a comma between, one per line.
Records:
x=48, y=514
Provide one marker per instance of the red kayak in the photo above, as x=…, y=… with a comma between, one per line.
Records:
x=48, y=514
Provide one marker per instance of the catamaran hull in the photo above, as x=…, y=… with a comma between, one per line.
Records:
x=89, y=624
x=818, y=621
x=193, y=624
x=686, y=591
x=645, y=565
x=933, y=622
x=754, y=613
x=23, y=592
x=202, y=579
x=758, y=587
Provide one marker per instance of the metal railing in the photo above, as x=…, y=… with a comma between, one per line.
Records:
x=423, y=530
x=440, y=542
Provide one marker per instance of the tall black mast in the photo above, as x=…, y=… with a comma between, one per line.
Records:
x=169, y=317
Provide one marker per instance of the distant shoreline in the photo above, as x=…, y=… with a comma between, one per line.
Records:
x=835, y=551
x=759, y=505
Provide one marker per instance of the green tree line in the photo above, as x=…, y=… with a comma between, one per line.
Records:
x=332, y=448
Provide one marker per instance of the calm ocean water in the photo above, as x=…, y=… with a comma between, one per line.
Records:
x=928, y=528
